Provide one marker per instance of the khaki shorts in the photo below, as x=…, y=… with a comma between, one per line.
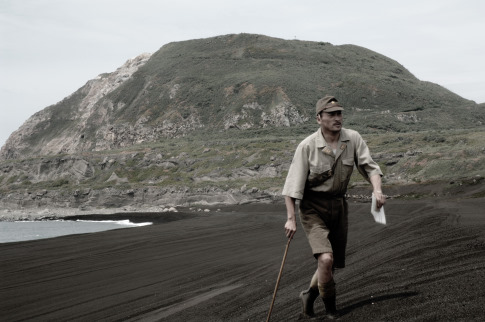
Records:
x=325, y=222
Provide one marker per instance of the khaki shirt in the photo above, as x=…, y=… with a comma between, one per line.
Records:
x=312, y=163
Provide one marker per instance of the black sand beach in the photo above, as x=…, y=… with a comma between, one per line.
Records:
x=427, y=264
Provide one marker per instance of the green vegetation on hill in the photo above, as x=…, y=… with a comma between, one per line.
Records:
x=239, y=159
x=220, y=75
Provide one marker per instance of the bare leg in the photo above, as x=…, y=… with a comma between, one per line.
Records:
x=326, y=284
x=325, y=264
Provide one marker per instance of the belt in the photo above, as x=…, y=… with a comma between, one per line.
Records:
x=324, y=194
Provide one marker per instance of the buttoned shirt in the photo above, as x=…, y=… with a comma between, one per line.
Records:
x=316, y=167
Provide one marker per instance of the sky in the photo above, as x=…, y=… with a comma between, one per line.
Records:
x=51, y=48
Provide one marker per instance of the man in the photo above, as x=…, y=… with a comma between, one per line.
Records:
x=318, y=177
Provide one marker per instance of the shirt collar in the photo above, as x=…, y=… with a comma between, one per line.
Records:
x=321, y=143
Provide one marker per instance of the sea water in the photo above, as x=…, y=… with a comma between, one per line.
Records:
x=30, y=230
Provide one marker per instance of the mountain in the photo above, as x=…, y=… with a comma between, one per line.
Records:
x=217, y=120
x=239, y=81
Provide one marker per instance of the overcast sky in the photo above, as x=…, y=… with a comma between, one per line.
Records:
x=50, y=48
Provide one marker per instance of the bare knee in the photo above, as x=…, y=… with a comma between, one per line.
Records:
x=325, y=262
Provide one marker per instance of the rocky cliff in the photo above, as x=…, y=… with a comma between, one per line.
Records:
x=68, y=118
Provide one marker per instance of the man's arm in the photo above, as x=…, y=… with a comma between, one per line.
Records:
x=376, y=182
x=290, y=226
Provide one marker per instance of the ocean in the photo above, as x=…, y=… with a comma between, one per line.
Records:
x=31, y=230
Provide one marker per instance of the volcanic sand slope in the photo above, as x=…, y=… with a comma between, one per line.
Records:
x=428, y=263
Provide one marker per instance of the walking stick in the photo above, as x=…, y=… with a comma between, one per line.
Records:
x=278, y=280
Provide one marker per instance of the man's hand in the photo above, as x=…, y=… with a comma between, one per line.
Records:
x=376, y=184
x=290, y=228
x=380, y=198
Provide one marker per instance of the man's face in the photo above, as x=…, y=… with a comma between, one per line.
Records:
x=330, y=121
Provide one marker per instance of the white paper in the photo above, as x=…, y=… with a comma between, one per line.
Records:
x=379, y=215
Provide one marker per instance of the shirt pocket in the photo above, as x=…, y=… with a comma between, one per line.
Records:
x=347, y=169
x=318, y=175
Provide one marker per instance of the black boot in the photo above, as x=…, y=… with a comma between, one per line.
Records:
x=331, y=308
x=308, y=297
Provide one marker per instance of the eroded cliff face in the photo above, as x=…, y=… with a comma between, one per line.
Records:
x=79, y=108
x=92, y=181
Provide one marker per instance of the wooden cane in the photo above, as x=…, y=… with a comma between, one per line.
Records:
x=278, y=280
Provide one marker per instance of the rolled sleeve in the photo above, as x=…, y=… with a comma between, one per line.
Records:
x=297, y=174
x=365, y=164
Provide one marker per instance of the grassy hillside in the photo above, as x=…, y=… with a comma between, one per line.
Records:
x=218, y=76
x=259, y=159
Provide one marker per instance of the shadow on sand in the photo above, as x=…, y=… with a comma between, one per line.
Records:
x=347, y=309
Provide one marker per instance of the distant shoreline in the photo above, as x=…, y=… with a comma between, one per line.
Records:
x=20, y=231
